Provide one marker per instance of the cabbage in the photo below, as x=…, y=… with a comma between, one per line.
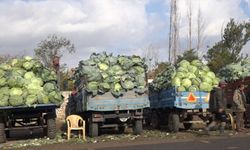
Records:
x=192, y=69
x=16, y=100
x=181, y=89
x=49, y=87
x=190, y=75
x=180, y=75
x=28, y=65
x=176, y=81
x=16, y=92
x=42, y=98
x=28, y=58
x=182, y=69
x=184, y=64
x=210, y=74
x=207, y=79
x=196, y=63
x=29, y=75
x=2, y=73
x=103, y=66
x=4, y=90
x=128, y=84
x=193, y=88
x=205, y=87
x=104, y=87
x=186, y=83
x=30, y=100
x=37, y=81
x=196, y=81
x=3, y=82
x=4, y=100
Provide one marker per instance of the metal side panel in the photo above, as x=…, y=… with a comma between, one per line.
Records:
x=107, y=102
x=117, y=104
x=200, y=101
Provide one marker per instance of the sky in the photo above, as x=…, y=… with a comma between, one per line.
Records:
x=124, y=27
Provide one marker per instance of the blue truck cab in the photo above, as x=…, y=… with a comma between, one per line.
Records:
x=106, y=111
x=171, y=107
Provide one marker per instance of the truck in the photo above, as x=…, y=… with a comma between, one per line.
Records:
x=42, y=116
x=106, y=111
x=171, y=108
x=231, y=86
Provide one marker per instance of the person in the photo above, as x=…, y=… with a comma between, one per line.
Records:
x=217, y=106
x=239, y=107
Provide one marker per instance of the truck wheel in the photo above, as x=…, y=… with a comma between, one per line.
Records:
x=121, y=129
x=51, y=127
x=188, y=125
x=173, y=122
x=93, y=129
x=154, y=121
x=137, y=127
x=2, y=132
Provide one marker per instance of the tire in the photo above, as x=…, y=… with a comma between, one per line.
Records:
x=121, y=129
x=93, y=130
x=173, y=122
x=51, y=127
x=187, y=126
x=2, y=132
x=137, y=129
x=154, y=121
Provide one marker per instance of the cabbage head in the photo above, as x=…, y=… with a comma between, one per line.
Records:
x=29, y=75
x=49, y=87
x=190, y=75
x=192, y=69
x=16, y=100
x=207, y=79
x=3, y=82
x=2, y=73
x=205, y=87
x=37, y=81
x=31, y=100
x=181, y=89
x=104, y=87
x=180, y=75
x=4, y=100
x=103, y=66
x=128, y=84
x=196, y=81
x=5, y=90
x=16, y=92
x=186, y=83
x=28, y=65
x=176, y=81
x=43, y=98
x=196, y=63
x=193, y=88
x=211, y=75
x=184, y=64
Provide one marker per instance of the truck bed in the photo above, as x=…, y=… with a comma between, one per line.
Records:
x=38, y=106
x=107, y=102
x=184, y=100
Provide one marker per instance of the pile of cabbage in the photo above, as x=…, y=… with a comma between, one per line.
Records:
x=104, y=72
x=186, y=76
x=235, y=71
x=25, y=82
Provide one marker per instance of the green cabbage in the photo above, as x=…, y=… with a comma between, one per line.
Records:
x=186, y=83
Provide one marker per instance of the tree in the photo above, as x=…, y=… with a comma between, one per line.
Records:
x=53, y=46
x=228, y=50
x=188, y=55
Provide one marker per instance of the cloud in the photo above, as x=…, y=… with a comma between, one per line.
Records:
x=118, y=26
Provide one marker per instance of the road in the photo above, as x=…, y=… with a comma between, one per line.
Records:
x=217, y=143
x=241, y=143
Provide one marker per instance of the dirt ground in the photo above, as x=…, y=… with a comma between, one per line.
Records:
x=31, y=140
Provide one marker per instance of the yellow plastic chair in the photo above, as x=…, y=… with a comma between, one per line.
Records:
x=75, y=122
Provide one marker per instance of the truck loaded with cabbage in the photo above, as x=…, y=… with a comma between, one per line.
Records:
x=28, y=97
x=180, y=92
x=110, y=92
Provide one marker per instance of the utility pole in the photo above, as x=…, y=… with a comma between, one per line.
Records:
x=173, y=32
x=189, y=15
